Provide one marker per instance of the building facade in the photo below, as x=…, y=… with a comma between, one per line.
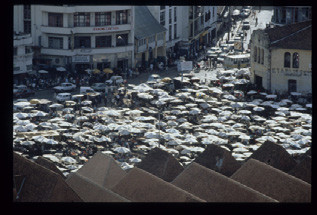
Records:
x=150, y=38
x=284, y=15
x=281, y=58
x=82, y=37
x=22, y=42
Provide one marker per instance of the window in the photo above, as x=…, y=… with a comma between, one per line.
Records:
x=160, y=36
x=82, y=42
x=55, y=42
x=81, y=19
x=15, y=51
x=27, y=12
x=170, y=32
x=287, y=60
x=255, y=54
x=122, y=17
x=122, y=39
x=262, y=56
x=103, y=19
x=162, y=18
x=162, y=7
x=202, y=19
x=55, y=19
x=28, y=49
x=175, y=31
x=27, y=27
x=151, y=39
x=103, y=41
x=295, y=60
x=295, y=14
x=259, y=55
x=170, y=16
x=283, y=16
x=213, y=11
x=175, y=14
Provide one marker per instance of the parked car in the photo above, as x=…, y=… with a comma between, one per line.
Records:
x=85, y=90
x=245, y=25
x=65, y=87
x=61, y=97
x=115, y=79
x=99, y=86
x=19, y=87
x=23, y=92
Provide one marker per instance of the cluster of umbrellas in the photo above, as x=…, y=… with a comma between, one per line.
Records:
x=182, y=123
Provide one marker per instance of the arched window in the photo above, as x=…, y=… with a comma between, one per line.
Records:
x=262, y=56
x=255, y=53
x=287, y=60
x=295, y=60
x=259, y=55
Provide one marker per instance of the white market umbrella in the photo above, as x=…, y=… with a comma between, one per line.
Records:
x=122, y=150
x=252, y=92
x=68, y=160
x=43, y=71
x=27, y=143
x=135, y=160
x=61, y=69
x=258, y=109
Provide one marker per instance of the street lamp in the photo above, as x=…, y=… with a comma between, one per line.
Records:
x=159, y=104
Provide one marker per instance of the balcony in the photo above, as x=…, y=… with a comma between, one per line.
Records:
x=22, y=40
x=87, y=51
x=86, y=30
x=79, y=8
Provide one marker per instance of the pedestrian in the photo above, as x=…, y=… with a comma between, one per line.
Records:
x=256, y=21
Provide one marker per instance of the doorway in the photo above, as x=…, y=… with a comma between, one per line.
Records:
x=292, y=86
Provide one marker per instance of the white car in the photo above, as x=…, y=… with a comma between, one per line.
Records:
x=65, y=87
x=61, y=97
x=115, y=79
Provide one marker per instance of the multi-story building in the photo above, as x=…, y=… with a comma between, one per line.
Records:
x=281, y=58
x=150, y=40
x=284, y=15
x=170, y=17
x=80, y=37
x=202, y=26
x=22, y=42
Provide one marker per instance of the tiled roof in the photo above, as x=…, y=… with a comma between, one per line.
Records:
x=161, y=164
x=103, y=170
x=141, y=186
x=41, y=184
x=272, y=182
x=90, y=191
x=49, y=165
x=293, y=36
x=274, y=155
x=219, y=159
x=303, y=169
x=145, y=24
x=215, y=187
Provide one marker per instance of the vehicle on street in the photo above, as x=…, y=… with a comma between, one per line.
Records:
x=62, y=97
x=245, y=25
x=115, y=80
x=65, y=87
x=85, y=90
x=236, y=61
x=154, y=78
x=23, y=92
x=99, y=87
x=19, y=87
x=245, y=13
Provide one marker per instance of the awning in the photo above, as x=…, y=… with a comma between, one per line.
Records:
x=107, y=70
x=18, y=72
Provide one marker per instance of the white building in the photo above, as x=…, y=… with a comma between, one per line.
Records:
x=80, y=37
x=22, y=41
x=193, y=24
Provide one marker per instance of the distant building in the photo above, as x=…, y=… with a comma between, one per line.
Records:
x=150, y=40
x=22, y=42
x=281, y=58
x=80, y=37
x=284, y=15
